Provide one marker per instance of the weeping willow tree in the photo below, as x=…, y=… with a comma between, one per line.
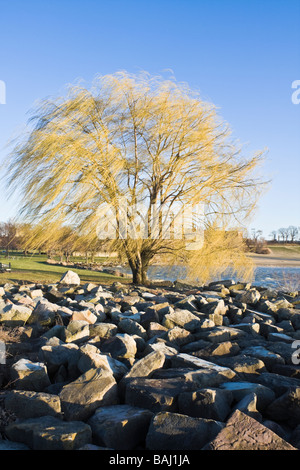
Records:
x=137, y=153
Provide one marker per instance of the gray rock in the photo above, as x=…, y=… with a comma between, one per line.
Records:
x=162, y=351
x=156, y=394
x=56, y=353
x=80, y=398
x=103, y=330
x=145, y=366
x=226, y=348
x=294, y=439
x=122, y=347
x=120, y=427
x=179, y=336
x=183, y=318
x=194, y=378
x=148, y=317
x=222, y=333
x=242, y=432
x=251, y=296
x=28, y=375
x=27, y=404
x=70, y=278
x=209, y=403
x=286, y=408
x=280, y=337
x=159, y=310
x=239, y=390
x=287, y=370
x=156, y=329
x=246, y=367
x=200, y=344
x=188, y=303
x=295, y=320
x=131, y=327
x=168, y=351
x=85, y=315
x=5, y=444
x=77, y=331
x=280, y=430
x=186, y=360
x=278, y=383
x=216, y=307
x=44, y=313
x=269, y=358
x=49, y=433
x=174, y=431
x=91, y=358
x=12, y=315
x=248, y=405
x=274, y=305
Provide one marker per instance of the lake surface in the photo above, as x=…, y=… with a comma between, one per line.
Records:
x=272, y=277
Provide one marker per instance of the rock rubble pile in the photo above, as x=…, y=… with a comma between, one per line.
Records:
x=157, y=368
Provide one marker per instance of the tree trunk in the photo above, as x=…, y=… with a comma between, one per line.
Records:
x=138, y=268
x=139, y=275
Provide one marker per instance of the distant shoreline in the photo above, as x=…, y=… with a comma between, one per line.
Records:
x=276, y=260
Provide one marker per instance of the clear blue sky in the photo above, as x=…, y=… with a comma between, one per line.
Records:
x=241, y=55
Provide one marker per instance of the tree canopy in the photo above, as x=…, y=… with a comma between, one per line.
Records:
x=136, y=141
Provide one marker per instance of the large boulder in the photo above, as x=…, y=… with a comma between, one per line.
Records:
x=28, y=375
x=242, y=432
x=174, y=431
x=12, y=315
x=55, y=353
x=121, y=427
x=144, y=367
x=122, y=347
x=286, y=408
x=239, y=390
x=49, y=433
x=44, y=313
x=183, y=318
x=209, y=403
x=156, y=394
x=70, y=278
x=91, y=358
x=28, y=404
x=80, y=398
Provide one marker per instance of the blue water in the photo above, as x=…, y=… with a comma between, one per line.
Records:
x=286, y=278
x=271, y=277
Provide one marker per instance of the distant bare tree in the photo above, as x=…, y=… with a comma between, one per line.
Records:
x=283, y=233
x=293, y=232
x=274, y=235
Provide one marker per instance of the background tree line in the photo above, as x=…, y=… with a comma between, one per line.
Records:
x=289, y=234
x=64, y=241
x=256, y=243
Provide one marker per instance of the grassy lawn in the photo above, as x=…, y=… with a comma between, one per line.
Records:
x=285, y=250
x=34, y=269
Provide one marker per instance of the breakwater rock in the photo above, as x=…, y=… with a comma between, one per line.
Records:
x=127, y=367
